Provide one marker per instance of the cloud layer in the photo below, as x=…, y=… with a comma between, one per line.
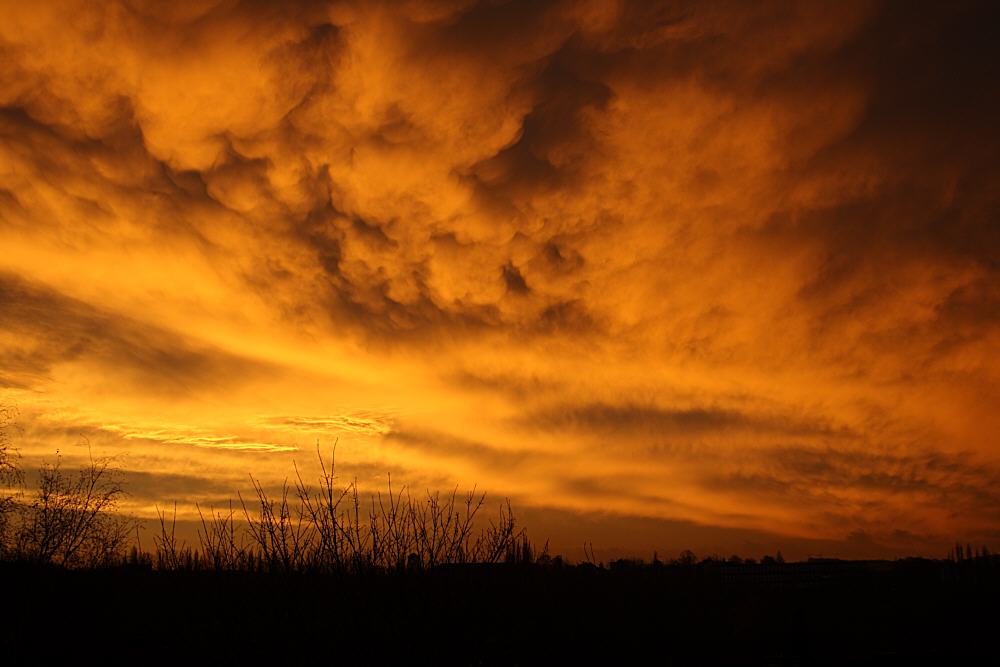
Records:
x=734, y=264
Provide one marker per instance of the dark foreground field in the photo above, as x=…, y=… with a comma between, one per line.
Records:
x=821, y=612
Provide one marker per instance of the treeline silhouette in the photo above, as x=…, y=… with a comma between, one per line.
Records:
x=320, y=572
x=71, y=520
x=331, y=528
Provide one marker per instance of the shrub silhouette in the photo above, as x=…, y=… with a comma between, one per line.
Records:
x=324, y=527
x=71, y=520
x=10, y=475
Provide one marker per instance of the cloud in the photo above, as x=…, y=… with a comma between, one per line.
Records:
x=733, y=254
x=858, y=481
x=370, y=423
x=196, y=439
x=441, y=445
x=48, y=329
x=631, y=419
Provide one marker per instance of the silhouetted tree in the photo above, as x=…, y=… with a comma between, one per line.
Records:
x=71, y=520
x=10, y=475
x=330, y=527
x=588, y=554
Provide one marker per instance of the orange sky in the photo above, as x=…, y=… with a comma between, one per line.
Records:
x=725, y=274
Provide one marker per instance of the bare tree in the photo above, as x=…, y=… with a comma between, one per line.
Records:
x=10, y=475
x=71, y=520
x=331, y=527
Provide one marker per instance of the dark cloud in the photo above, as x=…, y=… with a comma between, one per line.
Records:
x=632, y=418
x=164, y=488
x=850, y=483
x=440, y=444
x=55, y=329
x=909, y=186
x=923, y=120
x=517, y=387
x=607, y=488
x=513, y=279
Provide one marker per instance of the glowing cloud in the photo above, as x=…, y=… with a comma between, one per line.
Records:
x=734, y=264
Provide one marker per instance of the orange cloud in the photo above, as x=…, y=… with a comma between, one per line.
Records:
x=726, y=266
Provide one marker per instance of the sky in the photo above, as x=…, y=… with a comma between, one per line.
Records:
x=722, y=276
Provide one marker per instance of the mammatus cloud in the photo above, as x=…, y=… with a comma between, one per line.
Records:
x=730, y=264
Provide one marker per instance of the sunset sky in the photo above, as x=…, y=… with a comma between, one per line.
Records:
x=709, y=275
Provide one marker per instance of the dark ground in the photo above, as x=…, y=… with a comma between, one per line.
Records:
x=823, y=612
